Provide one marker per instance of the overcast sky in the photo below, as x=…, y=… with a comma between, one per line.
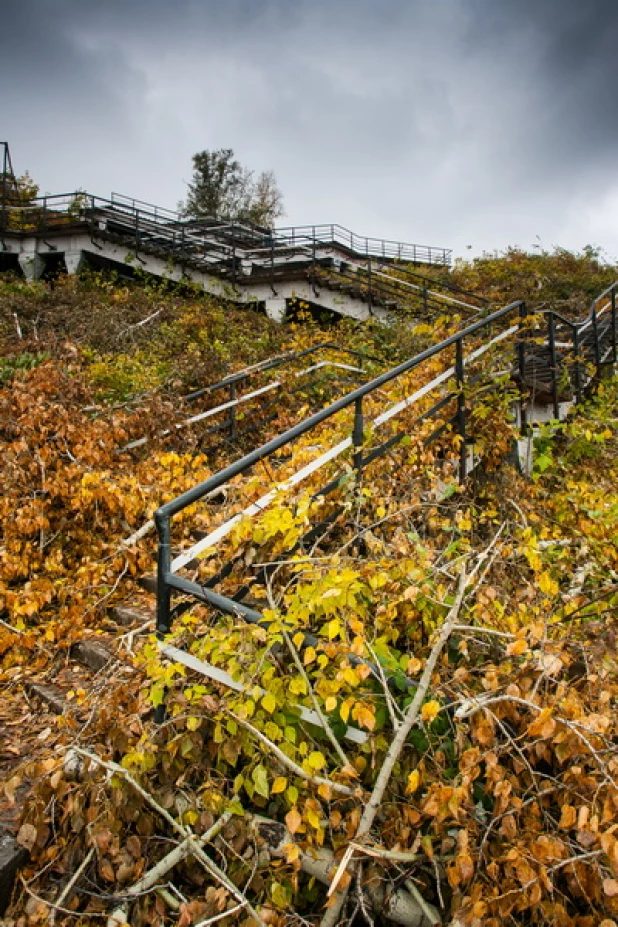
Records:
x=456, y=123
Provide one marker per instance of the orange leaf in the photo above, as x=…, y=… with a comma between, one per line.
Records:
x=293, y=820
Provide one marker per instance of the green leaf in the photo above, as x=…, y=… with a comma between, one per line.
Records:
x=280, y=895
x=260, y=780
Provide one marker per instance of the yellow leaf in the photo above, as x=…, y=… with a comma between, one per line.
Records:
x=429, y=711
x=333, y=628
x=344, y=711
x=292, y=852
x=364, y=715
x=414, y=780
x=313, y=818
x=547, y=585
x=331, y=703
x=309, y=655
x=279, y=785
x=350, y=676
x=316, y=759
x=269, y=703
x=193, y=724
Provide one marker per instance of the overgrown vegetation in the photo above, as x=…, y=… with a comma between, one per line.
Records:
x=563, y=280
x=477, y=787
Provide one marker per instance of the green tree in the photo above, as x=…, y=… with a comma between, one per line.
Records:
x=221, y=188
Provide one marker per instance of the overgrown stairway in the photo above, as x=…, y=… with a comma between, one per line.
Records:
x=315, y=494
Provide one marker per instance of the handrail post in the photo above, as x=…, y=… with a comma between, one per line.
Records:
x=461, y=408
x=232, y=412
x=597, y=347
x=313, y=268
x=577, y=373
x=272, y=265
x=551, y=322
x=358, y=434
x=521, y=364
x=614, y=347
x=164, y=566
x=4, y=178
x=137, y=241
x=369, y=286
x=164, y=592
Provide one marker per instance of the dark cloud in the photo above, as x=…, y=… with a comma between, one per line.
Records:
x=482, y=122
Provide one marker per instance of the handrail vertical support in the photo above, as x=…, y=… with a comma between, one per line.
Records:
x=358, y=434
x=461, y=408
x=232, y=412
x=597, y=347
x=164, y=566
x=577, y=373
x=164, y=592
x=551, y=322
x=521, y=364
x=614, y=346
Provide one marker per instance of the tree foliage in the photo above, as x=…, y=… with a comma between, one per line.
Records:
x=221, y=188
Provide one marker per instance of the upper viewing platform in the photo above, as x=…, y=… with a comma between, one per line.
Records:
x=327, y=265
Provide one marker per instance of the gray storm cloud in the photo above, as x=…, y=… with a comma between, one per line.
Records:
x=456, y=123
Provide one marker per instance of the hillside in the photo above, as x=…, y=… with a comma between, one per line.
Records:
x=423, y=715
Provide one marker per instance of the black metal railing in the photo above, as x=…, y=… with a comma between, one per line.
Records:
x=169, y=582
x=228, y=410
x=8, y=182
x=145, y=221
x=591, y=346
x=337, y=235
x=576, y=351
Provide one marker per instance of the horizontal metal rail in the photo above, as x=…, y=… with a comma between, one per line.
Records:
x=599, y=342
x=240, y=400
x=272, y=362
x=331, y=454
x=196, y=493
x=334, y=234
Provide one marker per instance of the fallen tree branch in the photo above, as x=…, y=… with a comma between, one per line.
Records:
x=332, y=915
x=66, y=891
x=185, y=832
x=397, y=906
x=291, y=765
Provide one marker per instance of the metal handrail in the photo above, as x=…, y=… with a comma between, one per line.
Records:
x=232, y=381
x=168, y=581
x=221, y=246
x=271, y=362
x=363, y=245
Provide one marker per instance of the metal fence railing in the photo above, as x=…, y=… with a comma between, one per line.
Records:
x=367, y=247
x=542, y=351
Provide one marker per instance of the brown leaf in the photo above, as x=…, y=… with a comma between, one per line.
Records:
x=26, y=836
x=610, y=887
x=106, y=871
x=10, y=787
x=134, y=846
